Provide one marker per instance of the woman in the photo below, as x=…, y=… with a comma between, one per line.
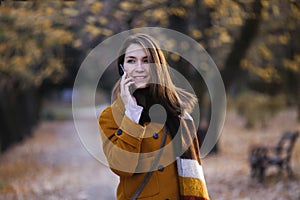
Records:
x=134, y=138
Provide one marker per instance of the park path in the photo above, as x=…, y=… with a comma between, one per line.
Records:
x=53, y=164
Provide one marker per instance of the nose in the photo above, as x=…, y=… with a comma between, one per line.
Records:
x=139, y=66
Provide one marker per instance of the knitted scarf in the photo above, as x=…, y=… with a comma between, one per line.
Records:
x=191, y=178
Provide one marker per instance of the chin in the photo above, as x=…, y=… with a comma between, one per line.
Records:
x=141, y=86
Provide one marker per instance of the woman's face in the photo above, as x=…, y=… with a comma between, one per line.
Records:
x=137, y=66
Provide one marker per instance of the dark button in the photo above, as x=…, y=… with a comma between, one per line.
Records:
x=119, y=132
x=155, y=136
x=160, y=168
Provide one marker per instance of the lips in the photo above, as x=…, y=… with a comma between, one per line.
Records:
x=139, y=77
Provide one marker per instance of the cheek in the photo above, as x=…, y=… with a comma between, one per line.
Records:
x=147, y=68
x=151, y=73
x=128, y=68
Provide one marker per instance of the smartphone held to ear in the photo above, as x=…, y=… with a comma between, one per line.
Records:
x=132, y=88
x=121, y=70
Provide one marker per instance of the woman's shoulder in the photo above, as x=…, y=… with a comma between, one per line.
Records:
x=114, y=111
x=107, y=111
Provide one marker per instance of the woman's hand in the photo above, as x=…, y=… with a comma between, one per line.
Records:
x=126, y=96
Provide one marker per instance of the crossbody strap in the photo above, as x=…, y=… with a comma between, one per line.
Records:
x=154, y=165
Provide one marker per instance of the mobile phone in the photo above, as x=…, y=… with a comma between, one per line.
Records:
x=132, y=88
x=121, y=70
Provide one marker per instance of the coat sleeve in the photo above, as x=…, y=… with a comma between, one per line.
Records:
x=121, y=139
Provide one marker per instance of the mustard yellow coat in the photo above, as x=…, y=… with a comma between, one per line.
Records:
x=129, y=148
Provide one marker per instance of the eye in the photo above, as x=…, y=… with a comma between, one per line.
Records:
x=145, y=60
x=130, y=61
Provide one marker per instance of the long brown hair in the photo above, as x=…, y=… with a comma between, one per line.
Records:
x=174, y=99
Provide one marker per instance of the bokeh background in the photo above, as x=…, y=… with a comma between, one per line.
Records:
x=254, y=43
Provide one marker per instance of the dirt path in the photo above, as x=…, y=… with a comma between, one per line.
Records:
x=53, y=164
x=227, y=173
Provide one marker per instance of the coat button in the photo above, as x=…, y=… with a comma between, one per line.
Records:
x=155, y=136
x=119, y=132
x=160, y=168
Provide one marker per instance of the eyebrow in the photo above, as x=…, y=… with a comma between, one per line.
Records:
x=135, y=57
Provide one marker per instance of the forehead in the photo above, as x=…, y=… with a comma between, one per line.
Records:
x=135, y=50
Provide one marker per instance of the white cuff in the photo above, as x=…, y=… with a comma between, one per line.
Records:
x=133, y=112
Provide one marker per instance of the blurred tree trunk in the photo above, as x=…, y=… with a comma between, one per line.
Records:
x=19, y=108
x=191, y=20
x=298, y=96
x=294, y=50
x=297, y=51
x=241, y=44
x=203, y=12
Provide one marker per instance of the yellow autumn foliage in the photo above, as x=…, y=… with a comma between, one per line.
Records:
x=178, y=11
x=268, y=73
x=175, y=57
x=92, y=29
x=284, y=39
x=189, y=3
x=159, y=13
x=32, y=38
x=34, y=32
x=49, y=11
x=197, y=34
x=211, y=3
x=265, y=51
x=292, y=65
x=224, y=36
x=103, y=20
x=96, y=7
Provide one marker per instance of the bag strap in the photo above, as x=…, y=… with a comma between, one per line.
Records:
x=154, y=165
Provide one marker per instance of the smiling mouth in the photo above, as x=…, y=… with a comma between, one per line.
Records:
x=139, y=77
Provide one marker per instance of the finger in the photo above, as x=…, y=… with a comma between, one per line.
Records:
x=128, y=84
x=127, y=81
x=125, y=84
x=123, y=77
x=123, y=80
